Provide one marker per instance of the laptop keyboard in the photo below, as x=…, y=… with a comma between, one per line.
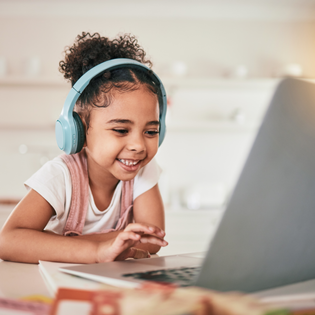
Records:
x=181, y=276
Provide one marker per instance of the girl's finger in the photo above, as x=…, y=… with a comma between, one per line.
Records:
x=149, y=229
x=120, y=246
x=153, y=240
x=128, y=235
x=138, y=227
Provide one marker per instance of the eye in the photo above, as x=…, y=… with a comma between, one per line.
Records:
x=121, y=131
x=152, y=132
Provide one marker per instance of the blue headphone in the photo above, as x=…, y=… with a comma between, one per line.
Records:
x=69, y=128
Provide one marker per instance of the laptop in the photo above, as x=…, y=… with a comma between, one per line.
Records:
x=266, y=237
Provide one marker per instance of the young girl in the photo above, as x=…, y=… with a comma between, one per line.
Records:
x=115, y=170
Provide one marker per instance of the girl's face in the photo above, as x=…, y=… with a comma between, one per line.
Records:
x=123, y=137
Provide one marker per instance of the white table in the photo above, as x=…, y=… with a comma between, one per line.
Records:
x=20, y=280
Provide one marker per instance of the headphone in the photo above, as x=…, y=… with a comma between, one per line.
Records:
x=69, y=129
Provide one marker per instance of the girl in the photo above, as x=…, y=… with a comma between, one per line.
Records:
x=120, y=114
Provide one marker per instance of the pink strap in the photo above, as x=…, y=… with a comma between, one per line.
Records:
x=77, y=165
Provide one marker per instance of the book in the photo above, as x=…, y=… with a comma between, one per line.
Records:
x=55, y=279
x=156, y=299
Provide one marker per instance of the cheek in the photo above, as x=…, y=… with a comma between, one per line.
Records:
x=100, y=143
x=153, y=147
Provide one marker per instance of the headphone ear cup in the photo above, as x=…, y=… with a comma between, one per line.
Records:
x=80, y=131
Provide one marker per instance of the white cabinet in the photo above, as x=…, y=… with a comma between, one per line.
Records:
x=22, y=153
x=189, y=231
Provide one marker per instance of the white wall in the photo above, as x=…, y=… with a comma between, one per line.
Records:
x=204, y=144
x=209, y=47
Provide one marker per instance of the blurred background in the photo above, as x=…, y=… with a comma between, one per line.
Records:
x=220, y=61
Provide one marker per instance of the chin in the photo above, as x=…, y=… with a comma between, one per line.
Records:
x=125, y=177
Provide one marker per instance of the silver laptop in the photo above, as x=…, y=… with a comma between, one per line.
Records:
x=266, y=237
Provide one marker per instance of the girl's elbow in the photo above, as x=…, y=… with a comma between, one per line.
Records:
x=3, y=246
x=8, y=242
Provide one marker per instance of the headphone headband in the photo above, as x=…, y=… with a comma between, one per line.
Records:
x=66, y=127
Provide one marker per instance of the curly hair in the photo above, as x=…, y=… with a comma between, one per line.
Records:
x=90, y=50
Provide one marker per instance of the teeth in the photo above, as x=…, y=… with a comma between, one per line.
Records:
x=128, y=163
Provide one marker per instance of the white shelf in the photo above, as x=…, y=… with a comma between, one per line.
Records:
x=191, y=82
x=200, y=82
x=211, y=83
x=33, y=81
x=213, y=125
x=27, y=128
x=197, y=82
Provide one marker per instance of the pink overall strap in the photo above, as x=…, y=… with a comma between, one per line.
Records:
x=126, y=207
x=77, y=165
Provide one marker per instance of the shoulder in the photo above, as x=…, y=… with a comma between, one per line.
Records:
x=147, y=178
x=51, y=170
x=53, y=182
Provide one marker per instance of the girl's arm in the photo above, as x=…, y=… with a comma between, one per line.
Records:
x=148, y=208
x=22, y=238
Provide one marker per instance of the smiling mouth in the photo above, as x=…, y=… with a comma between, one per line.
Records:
x=129, y=162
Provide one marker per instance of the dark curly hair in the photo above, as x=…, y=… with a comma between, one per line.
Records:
x=90, y=50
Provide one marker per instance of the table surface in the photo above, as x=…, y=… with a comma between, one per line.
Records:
x=19, y=280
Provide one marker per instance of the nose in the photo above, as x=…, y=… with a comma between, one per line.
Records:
x=136, y=143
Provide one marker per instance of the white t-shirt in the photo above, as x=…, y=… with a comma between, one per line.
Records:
x=53, y=182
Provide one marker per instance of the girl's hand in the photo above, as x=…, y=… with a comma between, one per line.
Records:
x=122, y=247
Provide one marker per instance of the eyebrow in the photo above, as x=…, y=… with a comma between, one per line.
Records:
x=127, y=121
x=119, y=121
